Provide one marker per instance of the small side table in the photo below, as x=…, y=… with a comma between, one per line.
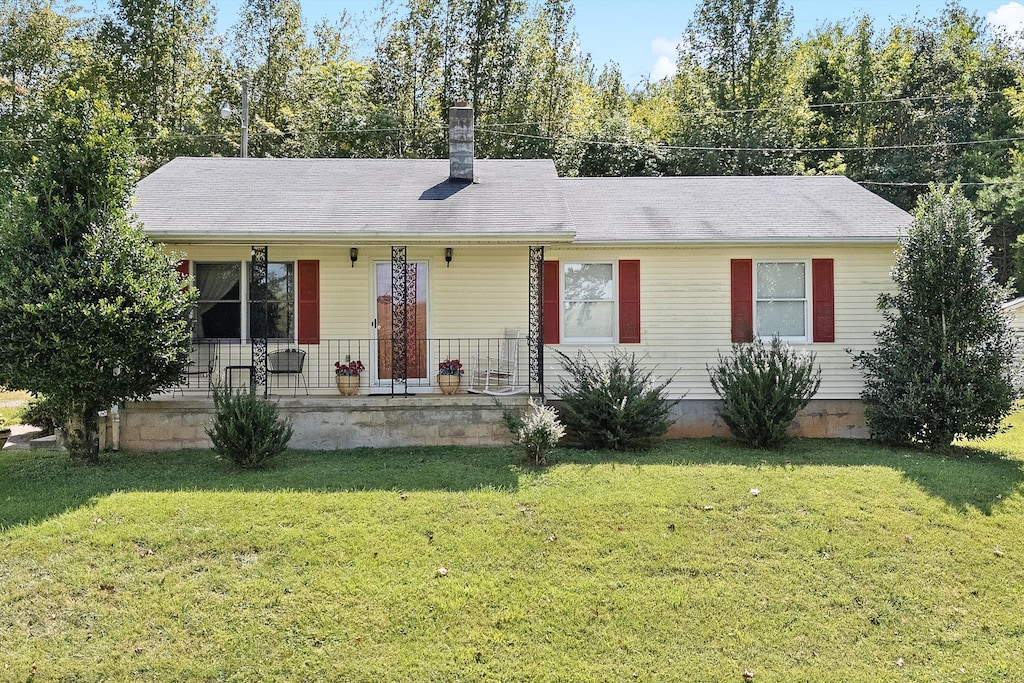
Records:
x=228, y=369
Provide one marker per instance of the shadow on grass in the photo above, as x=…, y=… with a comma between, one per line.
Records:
x=963, y=478
x=35, y=485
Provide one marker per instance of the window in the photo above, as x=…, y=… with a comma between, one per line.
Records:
x=780, y=306
x=222, y=291
x=281, y=300
x=588, y=302
x=219, y=310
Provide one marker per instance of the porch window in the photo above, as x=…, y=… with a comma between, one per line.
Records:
x=588, y=302
x=219, y=310
x=222, y=291
x=780, y=307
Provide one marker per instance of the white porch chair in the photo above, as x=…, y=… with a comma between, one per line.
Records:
x=499, y=375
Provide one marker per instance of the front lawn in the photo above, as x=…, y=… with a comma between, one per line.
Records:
x=853, y=562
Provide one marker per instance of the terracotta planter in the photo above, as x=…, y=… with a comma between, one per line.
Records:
x=5, y=434
x=347, y=384
x=449, y=383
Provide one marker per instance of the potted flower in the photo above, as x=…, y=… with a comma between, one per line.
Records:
x=448, y=374
x=346, y=375
x=5, y=431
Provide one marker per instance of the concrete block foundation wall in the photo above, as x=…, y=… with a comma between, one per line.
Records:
x=322, y=423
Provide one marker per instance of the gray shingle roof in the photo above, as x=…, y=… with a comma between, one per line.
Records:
x=323, y=198
x=294, y=199
x=730, y=209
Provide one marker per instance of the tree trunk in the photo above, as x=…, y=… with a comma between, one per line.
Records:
x=82, y=435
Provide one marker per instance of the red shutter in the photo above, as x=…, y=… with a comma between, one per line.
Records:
x=823, y=311
x=182, y=269
x=629, y=302
x=308, y=278
x=742, y=301
x=552, y=306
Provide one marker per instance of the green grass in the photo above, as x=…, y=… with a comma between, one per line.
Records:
x=11, y=403
x=854, y=563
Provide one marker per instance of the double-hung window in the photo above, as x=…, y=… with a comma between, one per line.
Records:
x=588, y=302
x=220, y=313
x=780, y=304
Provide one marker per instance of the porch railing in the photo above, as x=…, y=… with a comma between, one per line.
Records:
x=493, y=365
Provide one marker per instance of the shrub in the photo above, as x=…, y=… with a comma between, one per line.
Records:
x=763, y=387
x=247, y=429
x=538, y=430
x=612, y=404
x=943, y=367
x=41, y=412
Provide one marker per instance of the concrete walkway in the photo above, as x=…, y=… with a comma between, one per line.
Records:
x=21, y=437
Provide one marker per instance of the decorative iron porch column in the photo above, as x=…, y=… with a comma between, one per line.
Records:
x=399, y=319
x=259, y=288
x=535, y=337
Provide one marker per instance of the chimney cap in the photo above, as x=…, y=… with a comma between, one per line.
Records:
x=461, y=104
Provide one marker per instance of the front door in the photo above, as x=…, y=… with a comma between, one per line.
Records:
x=401, y=326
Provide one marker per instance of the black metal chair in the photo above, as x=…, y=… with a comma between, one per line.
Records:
x=288, y=362
x=201, y=364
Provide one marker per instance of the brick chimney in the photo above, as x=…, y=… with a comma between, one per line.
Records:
x=460, y=143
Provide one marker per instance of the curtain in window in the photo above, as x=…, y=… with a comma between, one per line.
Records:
x=214, y=281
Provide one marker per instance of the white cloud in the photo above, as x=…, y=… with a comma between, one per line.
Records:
x=665, y=53
x=1009, y=17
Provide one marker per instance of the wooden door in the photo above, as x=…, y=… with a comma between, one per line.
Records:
x=412, y=335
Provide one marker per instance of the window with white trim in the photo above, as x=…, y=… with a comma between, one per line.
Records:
x=780, y=300
x=222, y=291
x=588, y=302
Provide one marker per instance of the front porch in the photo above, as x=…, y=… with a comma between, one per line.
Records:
x=496, y=366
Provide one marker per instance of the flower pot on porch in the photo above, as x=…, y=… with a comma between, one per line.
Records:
x=449, y=383
x=347, y=384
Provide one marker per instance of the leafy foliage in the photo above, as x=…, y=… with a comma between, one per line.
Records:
x=537, y=430
x=763, y=387
x=247, y=430
x=43, y=413
x=91, y=312
x=943, y=368
x=612, y=404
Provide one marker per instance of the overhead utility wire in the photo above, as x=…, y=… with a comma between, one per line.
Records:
x=703, y=148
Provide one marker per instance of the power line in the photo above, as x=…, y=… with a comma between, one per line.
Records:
x=706, y=148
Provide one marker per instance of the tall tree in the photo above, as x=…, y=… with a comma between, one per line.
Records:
x=737, y=52
x=91, y=312
x=269, y=41
x=943, y=367
x=157, y=70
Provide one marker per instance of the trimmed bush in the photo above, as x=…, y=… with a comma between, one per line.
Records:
x=613, y=404
x=43, y=413
x=537, y=430
x=247, y=430
x=763, y=387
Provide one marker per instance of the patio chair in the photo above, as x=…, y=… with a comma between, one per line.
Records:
x=499, y=375
x=201, y=364
x=288, y=362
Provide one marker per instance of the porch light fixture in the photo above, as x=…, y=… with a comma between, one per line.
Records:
x=353, y=255
x=447, y=257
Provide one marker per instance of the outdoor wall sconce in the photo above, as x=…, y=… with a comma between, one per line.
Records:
x=447, y=257
x=353, y=255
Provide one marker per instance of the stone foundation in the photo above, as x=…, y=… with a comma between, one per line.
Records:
x=322, y=423
x=821, y=419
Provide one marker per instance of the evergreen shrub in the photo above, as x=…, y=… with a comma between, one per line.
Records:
x=763, y=387
x=612, y=404
x=537, y=430
x=247, y=430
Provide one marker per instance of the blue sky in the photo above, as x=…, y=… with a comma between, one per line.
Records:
x=640, y=35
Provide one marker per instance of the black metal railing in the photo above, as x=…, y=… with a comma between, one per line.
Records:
x=490, y=365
